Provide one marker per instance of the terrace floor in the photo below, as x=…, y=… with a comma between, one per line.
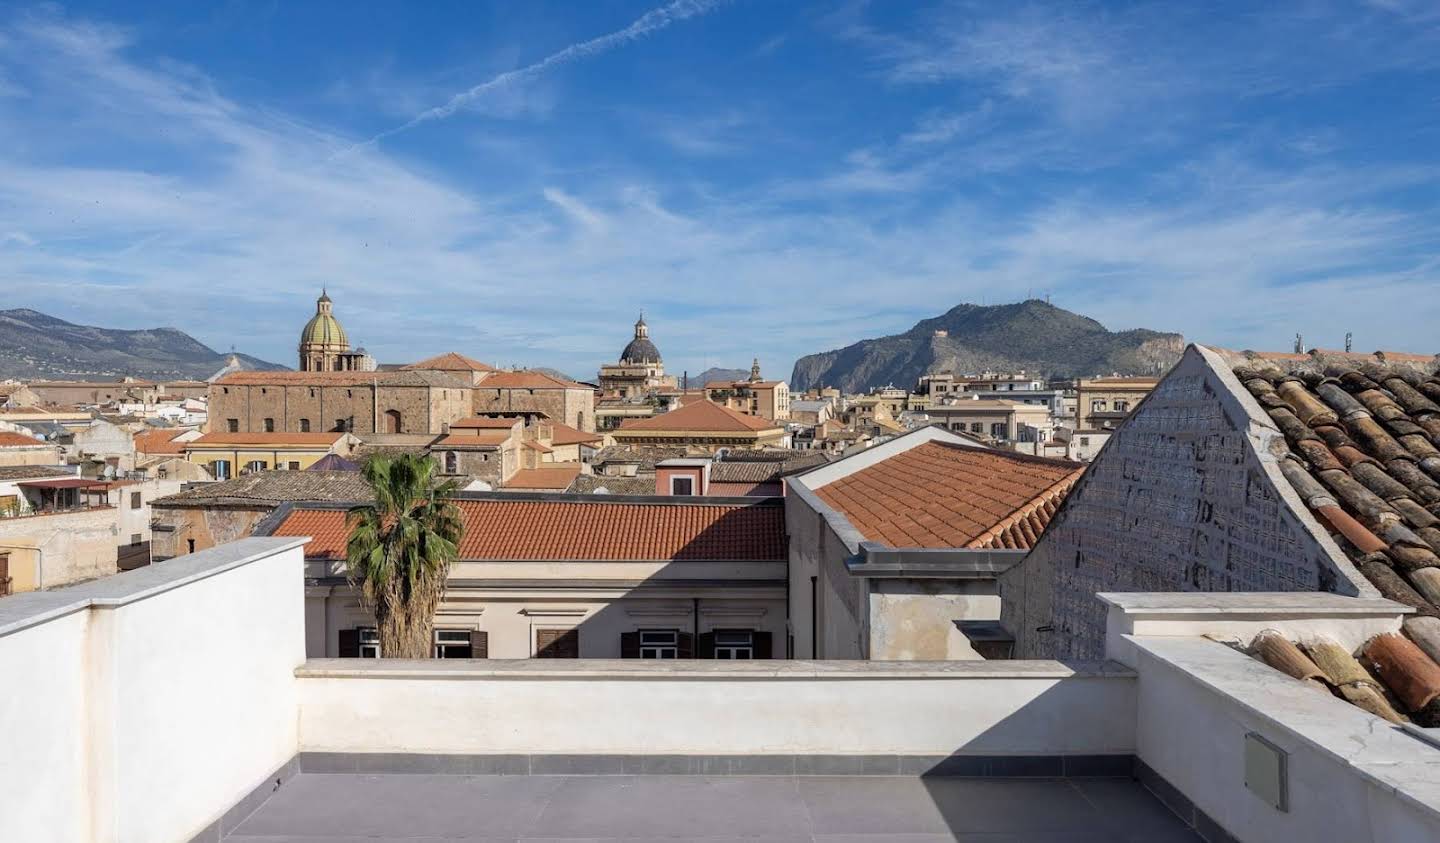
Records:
x=324, y=808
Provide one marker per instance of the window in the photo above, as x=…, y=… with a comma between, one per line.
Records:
x=312, y=392
x=189, y=545
x=734, y=644
x=997, y=430
x=369, y=642
x=134, y=500
x=294, y=465
x=232, y=425
x=659, y=644
x=136, y=538
x=1122, y=406
x=452, y=644
x=1097, y=405
x=682, y=485
x=340, y=425
x=452, y=462
x=220, y=469
x=269, y=425
x=976, y=427
x=254, y=466
x=304, y=425
x=1084, y=440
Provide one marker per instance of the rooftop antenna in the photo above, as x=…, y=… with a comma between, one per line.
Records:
x=1349, y=341
x=1299, y=344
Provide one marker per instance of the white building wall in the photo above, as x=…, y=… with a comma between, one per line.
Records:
x=1005, y=708
x=146, y=704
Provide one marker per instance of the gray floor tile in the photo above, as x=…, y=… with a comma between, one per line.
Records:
x=668, y=806
x=403, y=806
x=1133, y=811
x=1011, y=805
x=860, y=805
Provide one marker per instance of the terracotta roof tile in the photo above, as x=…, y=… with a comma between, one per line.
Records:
x=939, y=495
x=527, y=379
x=484, y=423
x=550, y=478
x=266, y=439
x=564, y=434
x=451, y=362
x=485, y=439
x=582, y=528
x=159, y=442
x=18, y=440
x=702, y=416
x=271, y=488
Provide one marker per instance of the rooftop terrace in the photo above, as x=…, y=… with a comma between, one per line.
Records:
x=175, y=703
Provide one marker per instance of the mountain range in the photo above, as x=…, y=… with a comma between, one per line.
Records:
x=1034, y=336
x=35, y=345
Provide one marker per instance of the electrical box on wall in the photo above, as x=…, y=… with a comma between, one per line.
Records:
x=1266, y=771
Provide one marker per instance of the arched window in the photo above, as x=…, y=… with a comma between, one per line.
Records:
x=452, y=462
x=304, y=425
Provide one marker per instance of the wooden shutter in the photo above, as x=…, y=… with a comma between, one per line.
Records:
x=349, y=643
x=762, y=645
x=557, y=643
x=686, y=648
x=479, y=644
x=706, y=649
x=629, y=645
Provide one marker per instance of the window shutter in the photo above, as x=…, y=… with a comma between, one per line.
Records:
x=479, y=644
x=629, y=645
x=349, y=643
x=686, y=648
x=707, y=646
x=761, y=642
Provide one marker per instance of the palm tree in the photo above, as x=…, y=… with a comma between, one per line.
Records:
x=400, y=550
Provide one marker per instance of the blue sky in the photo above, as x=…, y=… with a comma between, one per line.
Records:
x=516, y=180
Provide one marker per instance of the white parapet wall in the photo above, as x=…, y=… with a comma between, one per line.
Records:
x=142, y=706
x=716, y=708
x=1349, y=776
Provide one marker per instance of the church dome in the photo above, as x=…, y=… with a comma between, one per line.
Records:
x=324, y=329
x=641, y=349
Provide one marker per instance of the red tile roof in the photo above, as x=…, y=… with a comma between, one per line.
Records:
x=550, y=478
x=939, y=495
x=159, y=442
x=701, y=416
x=487, y=439
x=484, y=423
x=527, y=379
x=267, y=439
x=564, y=434
x=451, y=362
x=584, y=529
x=18, y=440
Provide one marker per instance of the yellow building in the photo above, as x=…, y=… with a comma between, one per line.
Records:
x=703, y=424
x=1102, y=403
x=755, y=397
x=229, y=455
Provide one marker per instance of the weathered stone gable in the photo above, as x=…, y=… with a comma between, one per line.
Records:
x=1185, y=496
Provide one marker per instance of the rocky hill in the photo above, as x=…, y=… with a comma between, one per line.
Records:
x=1032, y=335
x=718, y=374
x=35, y=345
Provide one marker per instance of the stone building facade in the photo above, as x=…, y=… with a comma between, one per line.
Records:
x=566, y=402
x=356, y=402
x=1186, y=496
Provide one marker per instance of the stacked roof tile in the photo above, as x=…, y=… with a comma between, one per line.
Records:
x=944, y=495
x=583, y=528
x=1363, y=456
x=272, y=488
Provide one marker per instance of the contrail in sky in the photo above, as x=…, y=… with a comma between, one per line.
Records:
x=650, y=22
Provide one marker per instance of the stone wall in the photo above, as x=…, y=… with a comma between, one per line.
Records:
x=1186, y=496
x=72, y=546
x=573, y=407
x=422, y=409
x=176, y=527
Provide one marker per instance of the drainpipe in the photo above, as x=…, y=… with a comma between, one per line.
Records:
x=39, y=562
